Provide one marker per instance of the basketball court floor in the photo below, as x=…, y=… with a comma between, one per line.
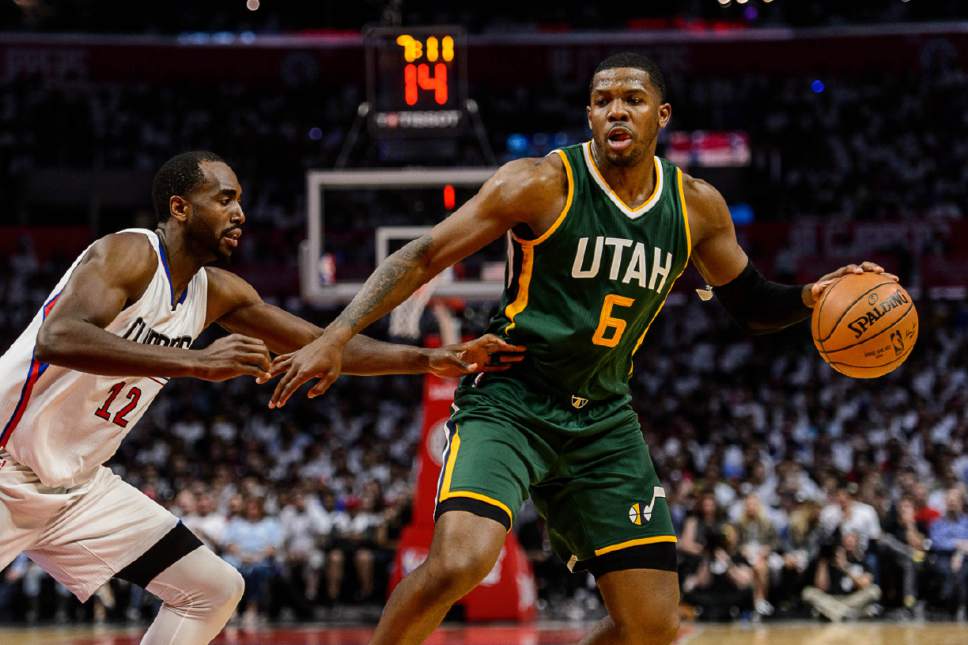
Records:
x=537, y=634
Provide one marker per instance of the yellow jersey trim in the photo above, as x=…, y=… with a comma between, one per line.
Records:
x=638, y=343
x=445, y=491
x=449, y=467
x=569, y=197
x=527, y=249
x=633, y=213
x=481, y=498
x=524, y=283
x=685, y=214
x=685, y=219
x=639, y=542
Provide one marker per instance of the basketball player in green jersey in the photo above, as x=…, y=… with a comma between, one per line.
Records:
x=598, y=232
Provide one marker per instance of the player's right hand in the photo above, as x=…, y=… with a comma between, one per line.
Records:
x=817, y=288
x=322, y=359
x=231, y=356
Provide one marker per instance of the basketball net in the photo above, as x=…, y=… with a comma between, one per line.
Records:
x=405, y=318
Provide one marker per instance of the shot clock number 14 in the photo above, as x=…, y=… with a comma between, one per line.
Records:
x=416, y=81
x=419, y=75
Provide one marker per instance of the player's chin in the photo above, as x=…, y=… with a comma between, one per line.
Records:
x=222, y=256
x=628, y=157
x=226, y=246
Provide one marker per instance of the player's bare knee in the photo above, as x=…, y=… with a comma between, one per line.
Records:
x=456, y=571
x=649, y=628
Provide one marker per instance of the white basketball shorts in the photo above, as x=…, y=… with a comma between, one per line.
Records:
x=82, y=535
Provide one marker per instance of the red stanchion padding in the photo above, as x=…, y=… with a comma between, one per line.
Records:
x=508, y=592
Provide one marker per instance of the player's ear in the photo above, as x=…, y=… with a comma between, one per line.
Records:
x=179, y=207
x=665, y=114
x=588, y=116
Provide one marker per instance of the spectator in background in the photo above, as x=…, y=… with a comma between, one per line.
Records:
x=361, y=539
x=302, y=527
x=206, y=522
x=699, y=529
x=184, y=504
x=722, y=586
x=850, y=515
x=251, y=542
x=800, y=547
x=795, y=480
x=924, y=513
x=335, y=524
x=843, y=585
x=949, y=544
x=757, y=541
x=902, y=544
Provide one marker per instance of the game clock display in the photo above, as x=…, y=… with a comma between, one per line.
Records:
x=416, y=81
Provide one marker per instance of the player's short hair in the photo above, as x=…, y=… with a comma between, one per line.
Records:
x=179, y=175
x=636, y=61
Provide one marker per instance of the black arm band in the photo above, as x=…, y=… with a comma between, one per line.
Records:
x=761, y=306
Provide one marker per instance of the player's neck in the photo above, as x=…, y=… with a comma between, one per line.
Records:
x=182, y=262
x=633, y=184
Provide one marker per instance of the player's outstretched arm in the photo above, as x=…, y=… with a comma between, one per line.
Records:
x=237, y=307
x=114, y=273
x=757, y=304
x=364, y=356
x=526, y=191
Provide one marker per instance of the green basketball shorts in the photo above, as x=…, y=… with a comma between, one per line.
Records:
x=584, y=464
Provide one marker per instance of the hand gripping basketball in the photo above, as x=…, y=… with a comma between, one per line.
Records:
x=864, y=324
x=817, y=288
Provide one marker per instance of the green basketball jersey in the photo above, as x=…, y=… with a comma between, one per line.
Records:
x=581, y=296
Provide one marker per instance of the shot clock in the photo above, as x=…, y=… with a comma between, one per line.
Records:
x=416, y=80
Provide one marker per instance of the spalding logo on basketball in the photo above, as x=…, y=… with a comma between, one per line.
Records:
x=865, y=325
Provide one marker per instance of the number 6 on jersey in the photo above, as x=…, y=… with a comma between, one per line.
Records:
x=606, y=321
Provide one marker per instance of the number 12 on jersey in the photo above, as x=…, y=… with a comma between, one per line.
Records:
x=133, y=396
x=607, y=324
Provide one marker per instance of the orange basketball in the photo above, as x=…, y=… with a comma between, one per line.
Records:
x=865, y=325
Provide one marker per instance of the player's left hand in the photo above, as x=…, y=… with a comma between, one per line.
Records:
x=489, y=353
x=321, y=359
x=816, y=289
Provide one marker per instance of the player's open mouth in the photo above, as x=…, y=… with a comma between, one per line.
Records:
x=619, y=139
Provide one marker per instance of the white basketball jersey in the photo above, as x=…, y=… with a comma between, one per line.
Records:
x=63, y=424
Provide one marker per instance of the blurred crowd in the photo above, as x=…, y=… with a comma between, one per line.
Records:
x=821, y=146
x=182, y=15
x=793, y=489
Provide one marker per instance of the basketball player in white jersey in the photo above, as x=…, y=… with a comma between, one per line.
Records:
x=116, y=327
